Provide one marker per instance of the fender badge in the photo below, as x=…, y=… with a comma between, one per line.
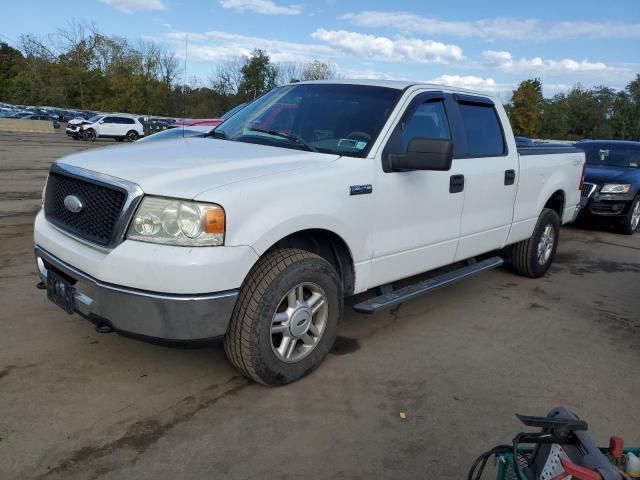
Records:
x=360, y=189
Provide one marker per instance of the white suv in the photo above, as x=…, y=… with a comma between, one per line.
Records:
x=119, y=127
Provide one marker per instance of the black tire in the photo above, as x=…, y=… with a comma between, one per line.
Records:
x=132, y=136
x=628, y=226
x=525, y=254
x=89, y=135
x=248, y=341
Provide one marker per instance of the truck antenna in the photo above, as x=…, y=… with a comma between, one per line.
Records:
x=184, y=85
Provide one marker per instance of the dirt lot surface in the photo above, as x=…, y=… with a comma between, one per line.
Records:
x=459, y=362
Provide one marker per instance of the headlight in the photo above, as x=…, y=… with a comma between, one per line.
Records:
x=615, y=188
x=178, y=222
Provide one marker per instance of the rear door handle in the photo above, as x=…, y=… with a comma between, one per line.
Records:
x=456, y=183
x=509, y=177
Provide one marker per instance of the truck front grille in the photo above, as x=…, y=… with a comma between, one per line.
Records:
x=96, y=220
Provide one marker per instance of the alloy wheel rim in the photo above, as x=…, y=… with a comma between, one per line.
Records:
x=545, y=245
x=299, y=322
x=635, y=216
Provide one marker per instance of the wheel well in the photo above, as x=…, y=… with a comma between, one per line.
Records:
x=329, y=246
x=556, y=203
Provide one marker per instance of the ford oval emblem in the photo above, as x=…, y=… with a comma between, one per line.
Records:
x=72, y=203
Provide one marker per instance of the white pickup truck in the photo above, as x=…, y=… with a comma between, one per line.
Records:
x=313, y=192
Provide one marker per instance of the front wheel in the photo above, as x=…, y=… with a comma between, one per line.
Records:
x=286, y=317
x=89, y=135
x=533, y=257
x=632, y=220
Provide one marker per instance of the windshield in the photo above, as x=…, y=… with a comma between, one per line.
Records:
x=233, y=111
x=95, y=118
x=328, y=118
x=612, y=155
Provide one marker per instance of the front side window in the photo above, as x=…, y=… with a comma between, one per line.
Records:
x=330, y=118
x=483, y=130
x=429, y=120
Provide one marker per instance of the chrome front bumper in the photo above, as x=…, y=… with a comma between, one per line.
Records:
x=139, y=312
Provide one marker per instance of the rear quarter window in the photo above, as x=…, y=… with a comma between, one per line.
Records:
x=482, y=129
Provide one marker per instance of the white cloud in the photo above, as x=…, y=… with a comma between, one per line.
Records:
x=494, y=28
x=262, y=7
x=131, y=6
x=216, y=46
x=367, y=74
x=505, y=61
x=470, y=81
x=387, y=49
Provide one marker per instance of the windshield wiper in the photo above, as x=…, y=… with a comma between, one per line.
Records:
x=288, y=136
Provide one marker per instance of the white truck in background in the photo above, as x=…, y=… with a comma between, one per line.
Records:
x=313, y=192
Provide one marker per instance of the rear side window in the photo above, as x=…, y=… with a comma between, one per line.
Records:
x=483, y=130
x=128, y=121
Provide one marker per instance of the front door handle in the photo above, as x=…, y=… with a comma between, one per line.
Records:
x=456, y=183
x=509, y=177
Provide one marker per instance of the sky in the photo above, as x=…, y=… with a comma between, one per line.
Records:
x=488, y=46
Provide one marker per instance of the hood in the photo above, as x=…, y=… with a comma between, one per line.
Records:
x=187, y=167
x=607, y=174
x=75, y=121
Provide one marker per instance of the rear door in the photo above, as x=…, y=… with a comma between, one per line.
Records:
x=489, y=168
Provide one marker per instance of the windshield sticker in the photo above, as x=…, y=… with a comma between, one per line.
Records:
x=361, y=145
x=347, y=142
x=603, y=155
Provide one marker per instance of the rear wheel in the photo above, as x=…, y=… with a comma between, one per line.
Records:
x=533, y=257
x=132, y=136
x=632, y=220
x=286, y=317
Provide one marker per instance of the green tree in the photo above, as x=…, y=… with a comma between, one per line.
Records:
x=525, y=108
x=553, y=121
x=258, y=76
x=11, y=64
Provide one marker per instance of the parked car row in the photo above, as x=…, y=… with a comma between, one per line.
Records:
x=26, y=115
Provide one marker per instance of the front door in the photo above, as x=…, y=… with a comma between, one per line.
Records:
x=418, y=214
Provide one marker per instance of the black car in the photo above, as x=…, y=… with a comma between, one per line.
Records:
x=612, y=182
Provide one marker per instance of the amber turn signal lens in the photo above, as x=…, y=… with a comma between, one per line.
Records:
x=214, y=220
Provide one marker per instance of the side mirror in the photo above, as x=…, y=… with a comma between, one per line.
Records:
x=101, y=122
x=424, y=154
